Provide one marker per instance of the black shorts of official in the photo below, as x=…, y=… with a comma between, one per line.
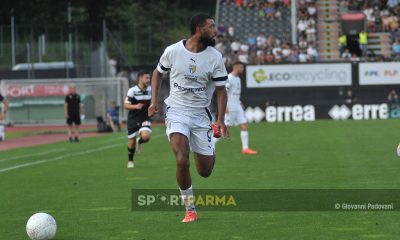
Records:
x=74, y=119
x=135, y=127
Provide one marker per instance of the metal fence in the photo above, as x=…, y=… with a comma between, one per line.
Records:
x=128, y=44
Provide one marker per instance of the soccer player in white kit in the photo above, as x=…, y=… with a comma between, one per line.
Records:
x=234, y=111
x=192, y=63
x=3, y=112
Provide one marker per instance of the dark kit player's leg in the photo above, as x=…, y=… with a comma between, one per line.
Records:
x=75, y=123
x=131, y=151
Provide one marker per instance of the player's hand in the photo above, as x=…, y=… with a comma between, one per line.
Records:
x=139, y=106
x=153, y=109
x=222, y=129
x=66, y=115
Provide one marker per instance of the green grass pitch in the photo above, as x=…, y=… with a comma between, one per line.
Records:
x=87, y=188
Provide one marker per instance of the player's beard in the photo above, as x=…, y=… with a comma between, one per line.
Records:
x=207, y=41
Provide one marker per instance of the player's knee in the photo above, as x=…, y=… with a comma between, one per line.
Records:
x=182, y=166
x=205, y=172
x=145, y=138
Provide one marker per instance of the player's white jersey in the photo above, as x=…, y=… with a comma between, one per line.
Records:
x=190, y=74
x=233, y=89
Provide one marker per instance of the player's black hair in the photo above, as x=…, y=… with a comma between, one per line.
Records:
x=198, y=20
x=141, y=73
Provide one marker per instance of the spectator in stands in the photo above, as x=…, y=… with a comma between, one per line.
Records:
x=269, y=11
x=303, y=44
x=302, y=26
x=294, y=55
x=311, y=10
x=363, y=42
x=350, y=98
x=393, y=22
x=371, y=56
x=221, y=29
x=370, y=17
x=346, y=55
x=311, y=32
x=269, y=57
x=396, y=49
x=312, y=53
x=355, y=57
x=392, y=3
x=231, y=32
x=344, y=6
x=393, y=100
x=342, y=43
x=113, y=117
x=303, y=57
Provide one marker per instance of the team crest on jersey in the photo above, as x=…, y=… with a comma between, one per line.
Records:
x=192, y=68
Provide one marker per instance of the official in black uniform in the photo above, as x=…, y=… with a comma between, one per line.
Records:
x=73, y=110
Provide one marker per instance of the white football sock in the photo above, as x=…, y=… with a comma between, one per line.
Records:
x=215, y=141
x=2, y=132
x=188, y=200
x=244, y=135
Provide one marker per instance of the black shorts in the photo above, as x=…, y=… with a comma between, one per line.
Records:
x=137, y=126
x=74, y=119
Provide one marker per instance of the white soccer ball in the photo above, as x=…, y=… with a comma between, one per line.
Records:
x=41, y=226
x=398, y=150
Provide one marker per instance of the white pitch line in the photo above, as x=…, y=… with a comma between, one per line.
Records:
x=33, y=155
x=64, y=156
x=126, y=137
x=57, y=158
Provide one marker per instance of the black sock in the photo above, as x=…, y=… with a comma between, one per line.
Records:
x=131, y=153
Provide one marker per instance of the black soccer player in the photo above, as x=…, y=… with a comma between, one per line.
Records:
x=72, y=110
x=137, y=102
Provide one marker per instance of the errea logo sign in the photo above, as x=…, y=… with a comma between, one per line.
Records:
x=295, y=113
x=360, y=112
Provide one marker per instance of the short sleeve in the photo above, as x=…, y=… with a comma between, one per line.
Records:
x=219, y=75
x=130, y=93
x=1, y=98
x=67, y=99
x=228, y=84
x=165, y=61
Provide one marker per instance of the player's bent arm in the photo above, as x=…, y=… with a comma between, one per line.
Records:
x=129, y=106
x=155, y=86
x=221, y=101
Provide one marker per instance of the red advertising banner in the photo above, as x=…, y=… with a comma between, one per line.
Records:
x=36, y=90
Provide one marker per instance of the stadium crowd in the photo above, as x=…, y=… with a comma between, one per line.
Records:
x=268, y=49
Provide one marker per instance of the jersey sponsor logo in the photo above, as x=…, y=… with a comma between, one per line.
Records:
x=186, y=89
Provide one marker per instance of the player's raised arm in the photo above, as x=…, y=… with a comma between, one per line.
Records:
x=155, y=86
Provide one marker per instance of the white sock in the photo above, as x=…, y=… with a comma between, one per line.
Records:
x=244, y=135
x=215, y=141
x=2, y=132
x=188, y=200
